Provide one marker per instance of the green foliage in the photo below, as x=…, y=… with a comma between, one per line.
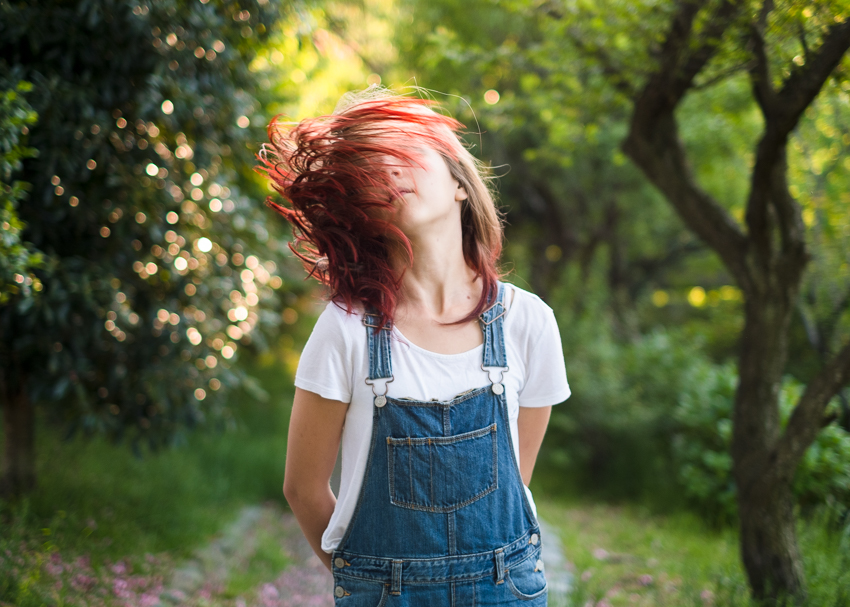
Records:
x=651, y=420
x=143, y=195
x=611, y=438
x=702, y=442
x=624, y=555
x=701, y=445
x=17, y=258
x=105, y=506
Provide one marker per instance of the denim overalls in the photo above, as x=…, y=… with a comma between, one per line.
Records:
x=442, y=518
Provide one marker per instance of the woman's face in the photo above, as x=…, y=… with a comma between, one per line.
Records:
x=427, y=195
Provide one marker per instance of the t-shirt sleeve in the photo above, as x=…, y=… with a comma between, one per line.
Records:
x=325, y=366
x=546, y=380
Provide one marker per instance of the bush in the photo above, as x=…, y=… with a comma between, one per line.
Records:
x=612, y=437
x=701, y=447
x=651, y=420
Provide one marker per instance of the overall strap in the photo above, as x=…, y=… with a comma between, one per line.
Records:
x=380, y=356
x=492, y=320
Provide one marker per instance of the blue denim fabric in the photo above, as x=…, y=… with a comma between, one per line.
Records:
x=442, y=518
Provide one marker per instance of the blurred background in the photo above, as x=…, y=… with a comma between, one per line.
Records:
x=151, y=314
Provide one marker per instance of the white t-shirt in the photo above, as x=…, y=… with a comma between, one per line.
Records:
x=335, y=365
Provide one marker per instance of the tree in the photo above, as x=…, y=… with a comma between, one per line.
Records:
x=640, y=66
x=18, y=284
x=768, y=256
x=142, y=195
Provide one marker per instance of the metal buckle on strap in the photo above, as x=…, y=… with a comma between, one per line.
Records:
x=371, y=382
x=495, y=318
x=489, y=369
x=380, y=399
x=386, y=327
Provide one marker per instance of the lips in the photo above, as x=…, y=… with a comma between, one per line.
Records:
x=400, y=192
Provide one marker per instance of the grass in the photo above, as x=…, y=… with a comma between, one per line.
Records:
x=99, y=505
x=265, y=564
x=626, y=555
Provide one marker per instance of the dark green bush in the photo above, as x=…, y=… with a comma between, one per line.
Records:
x=701, y=446
x=651, y=420
x=612, y=437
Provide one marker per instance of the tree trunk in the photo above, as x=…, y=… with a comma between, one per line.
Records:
x=769, y=549
x=18, y=470
x=769, y=545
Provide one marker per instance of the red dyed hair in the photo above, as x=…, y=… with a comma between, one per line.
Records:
x=333, y=171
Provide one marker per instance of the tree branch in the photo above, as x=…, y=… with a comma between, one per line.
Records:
x=614, y=74
x=782, y=111
x=805, y=422
x=805, y=82
x=708, y=43
x=721, y=76
x=760, y=71
x=654, y=145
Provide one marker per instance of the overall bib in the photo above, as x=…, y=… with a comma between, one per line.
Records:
x=442, y=518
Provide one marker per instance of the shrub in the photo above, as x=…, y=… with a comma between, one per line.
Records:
x=701, y=447
x=651, y=420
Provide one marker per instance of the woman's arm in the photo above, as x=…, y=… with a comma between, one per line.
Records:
x=531, y=423
x=315, y=429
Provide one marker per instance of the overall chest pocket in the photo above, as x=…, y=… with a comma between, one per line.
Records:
x=443, y=473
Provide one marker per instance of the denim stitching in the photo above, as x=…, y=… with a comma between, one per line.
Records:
x=393, y=443
x=516, y=591
x=396, y=578
x=431, y=468
x=517, y=547
x=390, y=470
x=410, y=464
x=444, y=509
x=451, y=523
x=354, y=514
x=443, y=440
x=412, y=402
x=514, y=554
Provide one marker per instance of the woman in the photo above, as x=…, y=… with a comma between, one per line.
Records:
x=436, y=379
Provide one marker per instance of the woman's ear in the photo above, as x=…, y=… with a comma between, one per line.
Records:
x=460, y=193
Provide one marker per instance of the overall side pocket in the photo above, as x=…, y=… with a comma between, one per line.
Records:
x=442, y=473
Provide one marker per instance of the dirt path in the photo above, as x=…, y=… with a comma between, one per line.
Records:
x=237, y=553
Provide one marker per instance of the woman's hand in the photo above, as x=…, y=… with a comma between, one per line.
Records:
x=315, y=430
x=531, y=424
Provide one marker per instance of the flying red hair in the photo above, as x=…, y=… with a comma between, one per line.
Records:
x=333, y=171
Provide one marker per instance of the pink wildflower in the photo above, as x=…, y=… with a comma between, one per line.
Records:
x=137, y=582
x=269, y=595
x=121, y=589
x=82, y=583
x=645, y=579
x=149, y=599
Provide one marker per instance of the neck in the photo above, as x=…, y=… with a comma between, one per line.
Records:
x=438, y=284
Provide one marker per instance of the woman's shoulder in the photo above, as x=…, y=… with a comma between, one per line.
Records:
x=528, y=318
x=525, y=302
x=336, y=318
